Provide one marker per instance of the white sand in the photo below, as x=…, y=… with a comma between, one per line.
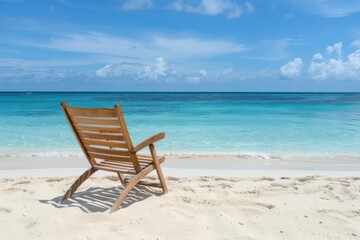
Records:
x=241, y=204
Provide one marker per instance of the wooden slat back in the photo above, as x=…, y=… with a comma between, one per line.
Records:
x=102, y=134
x=127, y=137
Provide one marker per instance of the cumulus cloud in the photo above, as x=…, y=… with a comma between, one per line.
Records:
x=159, y=71
x=292, y=69
x=335, y=48
x=197, y=77
x=335, y=68
x=332, y=65
x=317, y=57
x=356, y=43
x=213, y=7
x=137, y=4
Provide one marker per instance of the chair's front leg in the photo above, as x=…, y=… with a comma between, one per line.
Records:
x=129, y=186
x=158, y=169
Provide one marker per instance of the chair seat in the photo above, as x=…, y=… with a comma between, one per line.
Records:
x=127, y=167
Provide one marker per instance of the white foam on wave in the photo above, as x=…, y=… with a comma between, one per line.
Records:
x=174, y=154
x=242, y=155
x=339, y=158
x=43, y=154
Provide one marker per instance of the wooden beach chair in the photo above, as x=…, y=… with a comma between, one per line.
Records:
x=103, y=136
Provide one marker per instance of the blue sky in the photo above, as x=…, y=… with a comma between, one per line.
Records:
x=180, y=45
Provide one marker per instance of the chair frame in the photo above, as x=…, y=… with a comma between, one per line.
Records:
x=137, y=168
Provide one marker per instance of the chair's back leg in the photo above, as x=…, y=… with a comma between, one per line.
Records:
x=78, y=182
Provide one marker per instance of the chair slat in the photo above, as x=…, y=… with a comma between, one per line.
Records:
x=92, y=112
x=108, y=151
x=89, y=143
x=105, y=167
x=101, y=136
x=122, y=165
x=96, y=121
x=116, y=129
x=117, y=163
x=110, y=157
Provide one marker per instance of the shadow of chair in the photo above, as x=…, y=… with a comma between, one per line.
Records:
x=96, y=199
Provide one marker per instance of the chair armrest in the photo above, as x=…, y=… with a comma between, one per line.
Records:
x=147, y=142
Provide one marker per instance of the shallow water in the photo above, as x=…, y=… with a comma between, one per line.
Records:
x=254, y=124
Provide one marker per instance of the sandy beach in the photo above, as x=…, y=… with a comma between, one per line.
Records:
x=248, y=113
x=215, y=203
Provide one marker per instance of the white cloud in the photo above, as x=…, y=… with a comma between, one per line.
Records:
x=213, y=7
x=224, y=72
x=38, y=76
x=317, y=57
x=157, y=70
x=119, y=69
x=321, y=70
x=197, y=47
x=292, y=69
x=356, y=43
x=249, y=7
x=149, y=48
x=137, y=4
x=330, y=68
x=197, y=77
x=271, y=49
x=329, y=8
x=18, y=63
x=104, y=71
x=335, y=48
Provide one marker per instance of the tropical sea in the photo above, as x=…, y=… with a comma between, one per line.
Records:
x=252, y=125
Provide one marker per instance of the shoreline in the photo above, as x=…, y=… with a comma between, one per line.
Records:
x=178, y=173
x=182, y=165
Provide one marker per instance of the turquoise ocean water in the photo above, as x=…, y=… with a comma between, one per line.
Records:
x=253, y=124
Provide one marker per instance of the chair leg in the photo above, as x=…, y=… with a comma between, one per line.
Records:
x=78, y=182
x=158, y=168
x=161, y=177
x=122, y=178
x=129, y=186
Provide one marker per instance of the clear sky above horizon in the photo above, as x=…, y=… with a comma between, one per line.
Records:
x=180, y=45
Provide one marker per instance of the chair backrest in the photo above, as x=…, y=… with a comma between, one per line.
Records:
x=102, y=134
